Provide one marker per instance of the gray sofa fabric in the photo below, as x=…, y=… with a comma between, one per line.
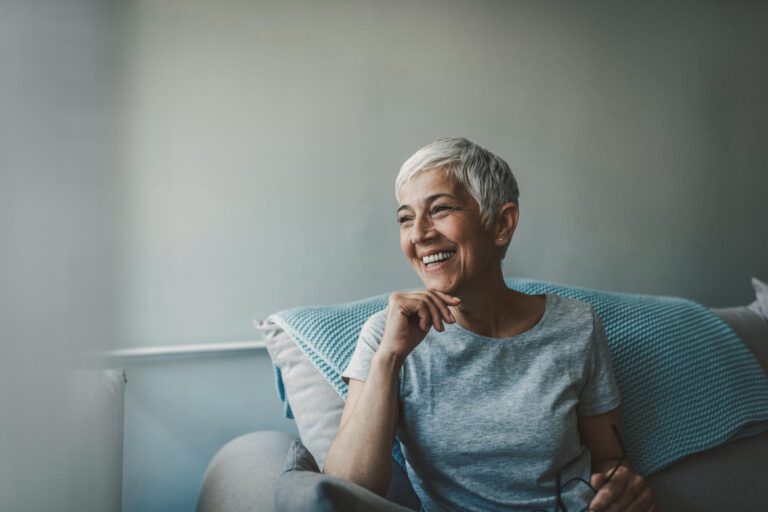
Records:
x=242, y=475
x=751, y=328
x=732, y=476
x=302, y=488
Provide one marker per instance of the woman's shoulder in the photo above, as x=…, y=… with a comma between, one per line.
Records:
x=575, y=305
x=574, y=324
x=569, y=310
x=374, y=324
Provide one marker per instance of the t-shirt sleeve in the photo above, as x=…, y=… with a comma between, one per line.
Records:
x=368, y=342
x=600, y=393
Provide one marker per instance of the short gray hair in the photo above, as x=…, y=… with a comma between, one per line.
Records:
x=486, y=176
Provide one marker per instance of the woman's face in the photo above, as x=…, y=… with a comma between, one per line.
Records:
x=438, y=215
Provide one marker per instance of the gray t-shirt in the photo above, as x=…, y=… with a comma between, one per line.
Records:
x=486, y=423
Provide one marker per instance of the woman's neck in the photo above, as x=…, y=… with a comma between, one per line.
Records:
x=489, y=307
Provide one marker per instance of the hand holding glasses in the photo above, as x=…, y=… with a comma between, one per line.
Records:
x=559, y=501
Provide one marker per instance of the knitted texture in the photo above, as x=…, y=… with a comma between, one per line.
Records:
x=687, y=381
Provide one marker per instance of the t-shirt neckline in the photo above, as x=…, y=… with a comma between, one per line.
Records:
x=548, y=298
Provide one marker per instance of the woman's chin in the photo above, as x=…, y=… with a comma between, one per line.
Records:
x=439, y=283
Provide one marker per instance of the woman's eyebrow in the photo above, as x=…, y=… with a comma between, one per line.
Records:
x=429, y=200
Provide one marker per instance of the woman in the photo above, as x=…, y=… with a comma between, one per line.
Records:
x=495, y=395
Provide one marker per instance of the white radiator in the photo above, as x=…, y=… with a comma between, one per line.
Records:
x=96, y=475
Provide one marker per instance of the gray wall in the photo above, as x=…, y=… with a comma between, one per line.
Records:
x=263, y=140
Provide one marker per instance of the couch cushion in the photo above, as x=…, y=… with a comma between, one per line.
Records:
x=727, y=477
x=750, y=327
x=302, y=488
x=315, y=405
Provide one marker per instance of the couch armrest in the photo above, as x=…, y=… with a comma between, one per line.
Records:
x=242, y=475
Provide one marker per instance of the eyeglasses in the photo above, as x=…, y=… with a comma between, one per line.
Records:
x=559, y=500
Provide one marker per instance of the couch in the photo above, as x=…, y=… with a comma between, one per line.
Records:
x=250, y=471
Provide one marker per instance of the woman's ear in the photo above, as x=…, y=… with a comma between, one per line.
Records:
x=506, y=221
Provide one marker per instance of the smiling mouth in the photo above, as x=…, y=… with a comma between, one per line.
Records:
x=437, y=265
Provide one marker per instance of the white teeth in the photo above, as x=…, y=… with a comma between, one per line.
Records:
x=437, y=257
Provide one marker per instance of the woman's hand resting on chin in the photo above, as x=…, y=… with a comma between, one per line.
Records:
x=410, y=315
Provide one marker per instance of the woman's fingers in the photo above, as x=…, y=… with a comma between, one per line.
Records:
x=643, y=502
x=449, y=299
x=428, y=310
x=441, y=305
x=424, y=316
x=437, y=317
x=432, y=307
x=446, y=300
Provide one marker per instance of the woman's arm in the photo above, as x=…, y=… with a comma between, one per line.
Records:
x=362, y=449
x=597, y=435
x=626, y=489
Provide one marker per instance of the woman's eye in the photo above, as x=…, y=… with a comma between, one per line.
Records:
x=436, y=209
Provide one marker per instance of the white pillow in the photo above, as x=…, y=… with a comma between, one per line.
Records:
x=315, y=404
x=760, y=306
x=317, y=407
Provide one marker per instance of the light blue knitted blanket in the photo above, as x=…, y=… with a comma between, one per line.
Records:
x=687, y=382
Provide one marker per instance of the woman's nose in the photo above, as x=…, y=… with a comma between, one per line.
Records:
x=422, y=229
